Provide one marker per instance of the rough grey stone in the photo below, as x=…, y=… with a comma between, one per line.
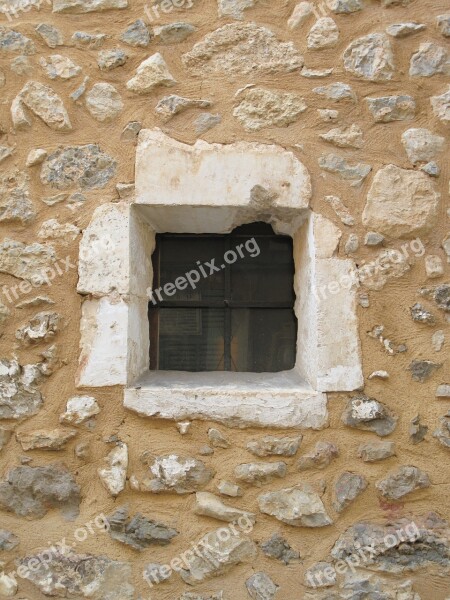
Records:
x=91, y=41
x=417, y=432
x=137, y=35
x=234, y=8
x=59, y=67
x=319, y=458
x=6, y=152
x=345, y=7
x=169, y=106
x=373, y=238
x=277, y=547
x=299, y=506
x=355, y=172
x=15, y=201
x=375, y=451
x=222, y=555
x=401, y=30
x=274, y=446
x=131, y=131
x=229, y=489
x=443, y=24
x=49, y=439
x=301, y=13
x=155, y=573
x=14, y=42
x=210, y=505
x=42, y=327
x=138, y=532
x=19, y=396
x=87, y=6
x=352, y=244
x=43, y=102
x=151, y=74
x=182, y=475
x=369, y=414
x=336, y=91
x=341, y=210
x=347, y=488
x=441, y=106
x=432, y=169
x=50, y=34
x=392, y=108
x=345, y=137
x=206, y=121
x=217, y=439
x=174, y=33
x=370, y=57
x=241, y=49
x=261, y=587
x=442, y=297
x=403, y=481
x=422, y=370
x=430, y=59
x=316, y=73
x=8, y=541
x=108, y=60
x=443, y=391
x=421, y=315
x=193, y=596
x=5, y=436
x=104, y=102
x=260, y=473
x=260, y=108
x=323, y=34
x=421, y=145
x=320, y=575
x=404, y=545
x=32, y=491
x=443, y=432
x=84, y=166
x=68, y=574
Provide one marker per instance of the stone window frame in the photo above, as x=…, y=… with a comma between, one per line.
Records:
x=213, y=188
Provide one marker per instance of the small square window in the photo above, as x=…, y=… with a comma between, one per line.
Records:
x=223, y=302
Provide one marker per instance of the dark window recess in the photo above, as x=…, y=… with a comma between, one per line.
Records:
x=239, y=318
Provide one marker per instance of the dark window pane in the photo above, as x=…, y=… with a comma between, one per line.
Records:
x=263, y=340
x=191, y=339
x=265, y=273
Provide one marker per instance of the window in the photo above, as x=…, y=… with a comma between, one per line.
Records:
x=223, y=302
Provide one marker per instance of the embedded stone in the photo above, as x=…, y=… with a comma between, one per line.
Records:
x=131, y=131
x=174, y=33
x=443, y=24
x=260, y=473
x=345, y=7
x=5, y=436
x=347, y=488
x=345, y=137
x=369, y=414
x=114, y=475
x=417, y=431
x=108, y=60
x=87, y=6
x=8, y=541
x=441, y=106
x=336, y=91
x=217, y=439
x=421, y=145
x=50, y=34
x=91, y=41
x=50, y=439
x=138, y=532
x=320, y=575
x=274, y=446
x=234, y=8
x=206, y=121
x=42, y=327
x=36, y=157
x=169, y=106
x=229, y=489
x=442, y=434
x=104, y=102
x=36, y=301
x=355, y=172
x=177, y=474
x=370, y=57
x=26, y=262
x=19, y=396
x=401, y=203
x=261, y=587
x=44, y=103
x=14, y=42
x=442, y=296
x=8, y=585
x=438, y=340
x=323, y=34
x=373, y=238
x=375, y=451
x=430, y=59
x=52, y=230
x=443, y=391
x=32, y=491
x=84, y=166
x=59, y=67
x=277, y=547
x=150, y=74
x=341, y=210
x=68, y=574
x=352, y=244
x=319, y=458
x=422, y=370
x=431, y=168
x=301, y=12
x=79, y=409
x=422, y=315
x=15, y=201
x=316, y=73
x=137, y=35
x=403, y=481
x=241, y=49
x=260, y=108
x=401, y=30
x=155, y=573
x=209, y=505
x=392, y=108
x=299, y=506
x=5, y=152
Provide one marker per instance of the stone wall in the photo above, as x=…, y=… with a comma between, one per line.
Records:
x=92, y=495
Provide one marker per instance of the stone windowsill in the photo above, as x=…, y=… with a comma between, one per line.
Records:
x=235, y=399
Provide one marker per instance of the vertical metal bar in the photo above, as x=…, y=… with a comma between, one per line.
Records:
x=153, y=310
x=227, y=321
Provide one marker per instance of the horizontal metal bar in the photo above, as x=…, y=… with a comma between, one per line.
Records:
x=197, y=304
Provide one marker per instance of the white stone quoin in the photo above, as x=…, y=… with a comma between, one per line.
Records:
x=213, y=188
